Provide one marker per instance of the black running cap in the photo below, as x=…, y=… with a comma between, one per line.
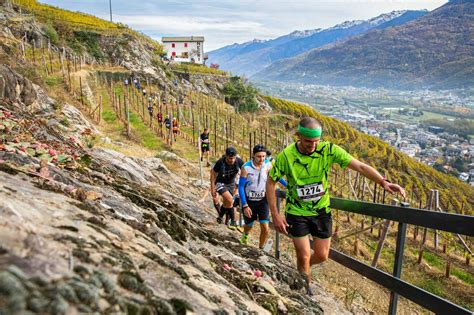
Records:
x=259, y=148
x=230, y=151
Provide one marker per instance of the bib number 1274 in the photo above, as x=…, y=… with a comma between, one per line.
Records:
x=311, y=192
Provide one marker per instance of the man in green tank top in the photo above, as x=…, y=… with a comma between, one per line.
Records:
x=306, y=165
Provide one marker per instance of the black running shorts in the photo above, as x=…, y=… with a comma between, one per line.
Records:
x=260, y=212
x=319, y=226
x=222, y=188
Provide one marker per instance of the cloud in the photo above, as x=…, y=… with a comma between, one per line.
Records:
x=225, y=22
x=185, y=24
x=217, y=31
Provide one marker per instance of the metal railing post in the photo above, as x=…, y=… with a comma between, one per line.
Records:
x=277, y=235
x=398, y=262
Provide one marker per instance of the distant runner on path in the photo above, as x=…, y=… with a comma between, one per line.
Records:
x=150, y=112
x=205, y=145
x=175, y=128
x=306, y=165
x=167, y=122
x=223, y=176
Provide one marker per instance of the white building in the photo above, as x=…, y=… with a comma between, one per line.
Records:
x=185, y=49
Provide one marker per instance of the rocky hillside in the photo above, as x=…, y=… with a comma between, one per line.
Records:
x=86, y=229
x=95, y=221
x=434, y=51
x=251, y=57
x=93, y=230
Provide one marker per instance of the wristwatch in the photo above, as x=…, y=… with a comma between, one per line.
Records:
x=382, y=180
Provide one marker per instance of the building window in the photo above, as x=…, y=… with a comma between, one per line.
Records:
x=185, y=45
x=173, y=45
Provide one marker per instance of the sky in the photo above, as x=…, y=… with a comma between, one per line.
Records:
x=225, y=22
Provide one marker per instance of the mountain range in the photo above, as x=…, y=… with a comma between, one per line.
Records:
x=433, y=51
x=251, y=57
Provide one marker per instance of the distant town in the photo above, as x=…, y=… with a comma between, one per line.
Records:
x=399, y=118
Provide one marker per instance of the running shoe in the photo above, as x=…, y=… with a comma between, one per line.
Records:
x=232, y=225
x=244, y=239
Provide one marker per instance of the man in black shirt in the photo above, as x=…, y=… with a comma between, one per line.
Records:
x=223, y=176
x=205, y=145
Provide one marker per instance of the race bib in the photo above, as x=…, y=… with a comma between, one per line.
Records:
x=310, y=192
x=256, y=196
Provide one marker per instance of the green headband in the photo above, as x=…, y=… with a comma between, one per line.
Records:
x=309, y=132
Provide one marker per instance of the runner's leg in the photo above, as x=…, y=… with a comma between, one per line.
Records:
x=303, y=255
x=232, y=215
x=263, y=218
x=227, y=199
x=217, y=205
x=321, y=250
x=264, y=233
x=247, y=228
x=227, y=204
x=321, y=230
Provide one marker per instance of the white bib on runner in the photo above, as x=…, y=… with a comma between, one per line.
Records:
x=310, y=192
x=256, y=181
x=255, y=195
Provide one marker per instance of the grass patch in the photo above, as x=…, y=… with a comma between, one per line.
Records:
x=433, y=260
x=109, y=116
x=430, y=115
x=148, y=139
x=433, y=286
x=196, y=69
x=53, y=80
x=463, y=276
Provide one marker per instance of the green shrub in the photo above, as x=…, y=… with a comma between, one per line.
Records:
x=65, y=122
x=241, y=95
x=88, y=40
x=51, y=33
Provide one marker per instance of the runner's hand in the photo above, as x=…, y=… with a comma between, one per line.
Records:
x=214, y=194
x=280, y=224
x=393, y=188
x=248, y=212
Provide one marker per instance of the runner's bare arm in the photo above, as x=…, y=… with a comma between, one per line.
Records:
x=213, y=183
x=279, y=220
x=372, y=174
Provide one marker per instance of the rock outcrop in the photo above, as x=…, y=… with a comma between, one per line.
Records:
x=16, y=88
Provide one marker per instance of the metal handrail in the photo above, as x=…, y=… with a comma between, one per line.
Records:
x=449, y=222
